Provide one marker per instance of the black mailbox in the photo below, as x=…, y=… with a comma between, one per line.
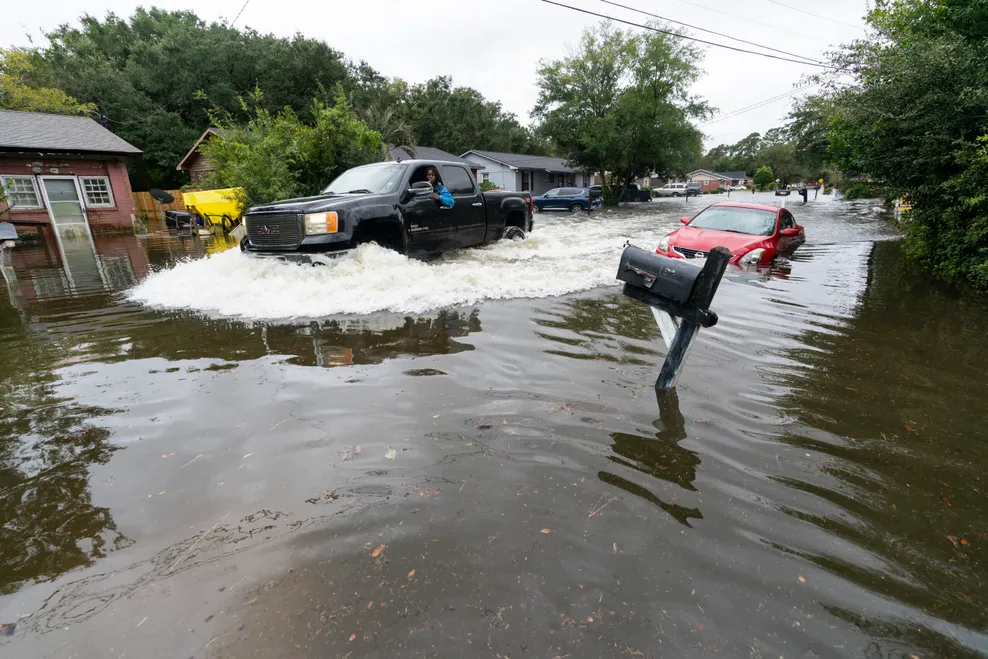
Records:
x=673, y=279
x=674, y=288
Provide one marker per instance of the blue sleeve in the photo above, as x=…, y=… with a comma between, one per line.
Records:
x=445, y=198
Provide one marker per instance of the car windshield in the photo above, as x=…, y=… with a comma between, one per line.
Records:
x=755, y=221
x=369, y=179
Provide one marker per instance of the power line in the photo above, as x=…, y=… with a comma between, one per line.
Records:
x=681, y=36
x=721, y=12
x=719, y=34
x=809, y=13
x=755, y=106
x=239, y=12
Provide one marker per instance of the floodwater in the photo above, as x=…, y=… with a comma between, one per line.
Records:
x=206, y=456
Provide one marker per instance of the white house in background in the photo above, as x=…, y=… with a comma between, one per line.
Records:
x=516, y=172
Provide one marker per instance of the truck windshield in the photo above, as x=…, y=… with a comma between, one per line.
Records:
x=369, y=179
x=736, y=220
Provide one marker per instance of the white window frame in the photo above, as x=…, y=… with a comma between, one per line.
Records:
x=485, y=177
x=85, y=194
x=34, y=183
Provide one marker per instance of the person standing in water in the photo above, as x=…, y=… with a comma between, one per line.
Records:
x=439, y=191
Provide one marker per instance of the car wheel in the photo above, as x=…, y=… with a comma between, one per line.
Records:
x=675, y=194
x=513, y=233
x=536, y=208
x=575, y=208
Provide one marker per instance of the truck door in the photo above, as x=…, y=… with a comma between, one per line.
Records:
x=429, y=228
x=468, y=214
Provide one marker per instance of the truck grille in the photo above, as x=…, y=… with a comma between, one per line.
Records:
x=275, y=231
x=690, y=253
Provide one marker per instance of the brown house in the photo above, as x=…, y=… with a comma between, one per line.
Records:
x=63, y=170
x=196, y=164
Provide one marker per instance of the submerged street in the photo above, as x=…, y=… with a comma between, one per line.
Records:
x=207, y=456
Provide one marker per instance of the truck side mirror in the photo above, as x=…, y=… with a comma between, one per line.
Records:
x=418, y=189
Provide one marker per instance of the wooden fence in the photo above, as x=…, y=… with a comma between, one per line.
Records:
x=151, y=212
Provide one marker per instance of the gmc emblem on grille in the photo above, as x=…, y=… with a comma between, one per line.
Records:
x=269, y=229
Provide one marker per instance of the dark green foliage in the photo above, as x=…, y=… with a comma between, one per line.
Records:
x=915, y=121
x=160, y=75
x=621, y=104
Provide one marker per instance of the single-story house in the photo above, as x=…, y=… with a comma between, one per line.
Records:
x=709, y=180
x=196, y=164
x=64, y=170
x=430, y=153
x=518, y=172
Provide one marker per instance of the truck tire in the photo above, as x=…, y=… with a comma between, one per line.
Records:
x=676, y=194
x=513, y=233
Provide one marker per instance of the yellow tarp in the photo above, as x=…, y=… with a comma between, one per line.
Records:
x=214, y=203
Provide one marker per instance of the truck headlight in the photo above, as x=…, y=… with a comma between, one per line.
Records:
x=664, y=243
x=752, y=258
x=319, y=223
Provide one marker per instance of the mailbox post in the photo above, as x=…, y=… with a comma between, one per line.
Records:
x=679, y=294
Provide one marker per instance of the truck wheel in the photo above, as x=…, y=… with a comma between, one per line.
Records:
x=513, y=233
x=575, y=208
x=675, y=194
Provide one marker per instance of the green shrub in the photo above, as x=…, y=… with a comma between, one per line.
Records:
x=487, y=186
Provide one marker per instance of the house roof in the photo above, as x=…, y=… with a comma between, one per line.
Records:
x=37, y=131
x=708, y=172
x=426, y=153
x=181, y=166
x=733, y=175
x=522, y=161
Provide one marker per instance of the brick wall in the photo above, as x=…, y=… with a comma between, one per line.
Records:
x=105, y=219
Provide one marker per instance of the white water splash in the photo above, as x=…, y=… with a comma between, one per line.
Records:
x=562, y=255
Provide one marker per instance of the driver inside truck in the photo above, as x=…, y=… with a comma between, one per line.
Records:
x=439, y=191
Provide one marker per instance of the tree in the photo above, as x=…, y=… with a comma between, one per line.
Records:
x=276, y=156
x=764, y=177
x=914, y=120
x=621, y=103
x=26, y=86
x=159, y=74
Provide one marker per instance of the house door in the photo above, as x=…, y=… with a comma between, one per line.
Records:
x=68, y=217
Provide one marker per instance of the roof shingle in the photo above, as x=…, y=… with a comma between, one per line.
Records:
x=37, y=131
x=523, y=161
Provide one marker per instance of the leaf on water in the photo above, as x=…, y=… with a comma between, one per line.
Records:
x=353, y=636
x=589, y=619
x=435, y=416
x=248, y=455
x=614, y=546
x=391, y=454
x=411, y=574
x=946, y=501
x=377, y=551
x=945, y=483
x=469, y=444
x=801, y=578
x=547, y=531
x=963, y=541
x=909, y=428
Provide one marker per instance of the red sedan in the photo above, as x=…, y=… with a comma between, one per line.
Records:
x=755, y=233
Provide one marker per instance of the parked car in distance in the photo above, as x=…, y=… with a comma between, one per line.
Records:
x=738, y=187
x=633, y=193
x=679, y=190
x=755, y=233
x=567, y=199
x=386, y=203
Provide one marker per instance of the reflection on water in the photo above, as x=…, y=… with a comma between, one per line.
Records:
x=815, y=486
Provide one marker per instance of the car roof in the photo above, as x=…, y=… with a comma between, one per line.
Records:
x=741, y=204
x=413, y=161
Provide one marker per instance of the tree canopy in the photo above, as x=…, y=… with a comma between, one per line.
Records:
x=621, y=103
x=159, y=76
x=915, y=120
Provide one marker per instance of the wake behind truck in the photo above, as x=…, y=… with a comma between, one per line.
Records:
x=387, y=203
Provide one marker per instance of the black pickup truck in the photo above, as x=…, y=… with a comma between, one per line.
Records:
x=387, y=203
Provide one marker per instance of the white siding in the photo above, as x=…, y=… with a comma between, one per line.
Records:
x=503, y=176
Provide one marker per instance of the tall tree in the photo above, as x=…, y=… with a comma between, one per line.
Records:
x=26, y=85
x=621, y=103
x=915, y=119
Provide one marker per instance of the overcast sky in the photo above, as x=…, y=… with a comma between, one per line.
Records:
x=495, y=45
